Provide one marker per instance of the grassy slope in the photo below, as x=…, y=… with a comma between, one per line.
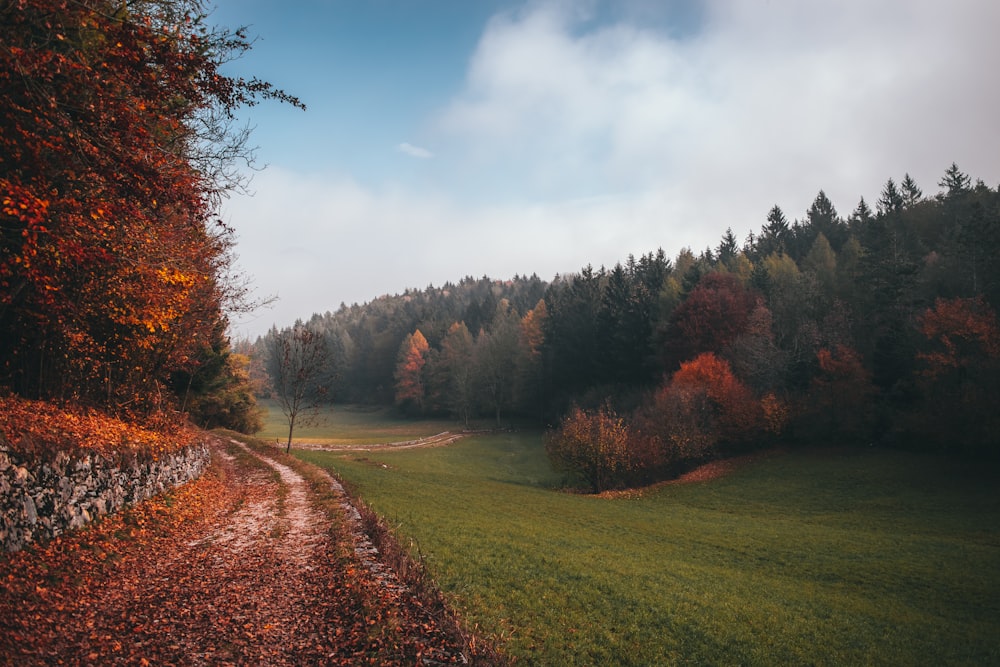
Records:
x=835, y=558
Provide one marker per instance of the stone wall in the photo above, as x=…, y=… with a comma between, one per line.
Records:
x=41, y=500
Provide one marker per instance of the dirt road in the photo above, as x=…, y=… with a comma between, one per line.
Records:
x=243, y=566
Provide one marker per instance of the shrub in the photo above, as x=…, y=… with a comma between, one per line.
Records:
x=595, y=445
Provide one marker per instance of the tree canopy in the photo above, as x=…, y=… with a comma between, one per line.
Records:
x=117, y=140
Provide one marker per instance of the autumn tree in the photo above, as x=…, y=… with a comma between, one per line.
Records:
x=116, y=143
x=702, y=406
x=409, y=376
x=839, y=397
x=713, y=315
x=960, y=375
x=754, y=356
x=216, y=389
x=296, y=360
x=594, y=445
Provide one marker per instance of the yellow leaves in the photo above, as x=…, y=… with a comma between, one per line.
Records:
x=174, y=277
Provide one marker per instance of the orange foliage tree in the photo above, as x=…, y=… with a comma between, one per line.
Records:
x=705, y=404
x=115, y=145
x=594, y=444
x=409, y=376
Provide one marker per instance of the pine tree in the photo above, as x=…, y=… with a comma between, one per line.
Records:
x=890, y=202
x=912, y=194
x=728, y=247
x=774, y=235
x=955, y=182
x=823, y=219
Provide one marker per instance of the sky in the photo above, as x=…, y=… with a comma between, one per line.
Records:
x=453, y=138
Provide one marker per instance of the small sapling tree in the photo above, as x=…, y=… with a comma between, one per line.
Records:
x=296, y=361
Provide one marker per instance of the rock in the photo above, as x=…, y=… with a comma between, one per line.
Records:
x=30, y=513
x=65, y=489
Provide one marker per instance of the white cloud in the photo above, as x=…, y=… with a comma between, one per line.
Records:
x=414, y=151
x=769, y=102
x=617, y=139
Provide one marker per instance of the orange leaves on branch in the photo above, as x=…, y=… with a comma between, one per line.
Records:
x=776, y=413
x=113, y=153
x=597, y=444
x=704, y=404
x=738, y=411
x=963, y=332
x=409, y=370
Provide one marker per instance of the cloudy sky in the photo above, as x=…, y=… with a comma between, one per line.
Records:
x=446, y=138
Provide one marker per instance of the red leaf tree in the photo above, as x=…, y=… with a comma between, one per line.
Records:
x=840, y=396
x=715, y=313
x=961, y=376
x=703, y=405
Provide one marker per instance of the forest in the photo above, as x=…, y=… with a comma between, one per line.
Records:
x=874, y=328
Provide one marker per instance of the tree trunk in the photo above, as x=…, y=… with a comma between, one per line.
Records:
x=291, y=425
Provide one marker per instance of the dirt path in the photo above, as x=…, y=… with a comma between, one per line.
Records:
x=243, y=568
x=439, y=440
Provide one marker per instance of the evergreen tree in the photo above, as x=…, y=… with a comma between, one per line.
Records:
x=497, y=360
x=774, y=235
x=823, y=219
x=955, y=183
x=890, y=202
x=624, y=328
x=571, y=343
x=912, y=194
x=453, y=372
x=860, y=217
x=728, y=248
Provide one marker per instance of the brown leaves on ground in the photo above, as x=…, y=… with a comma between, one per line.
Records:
x=41, y=429
x=238, y=567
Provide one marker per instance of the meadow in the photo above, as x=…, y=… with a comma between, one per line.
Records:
x=350, y=425
x=825, y=557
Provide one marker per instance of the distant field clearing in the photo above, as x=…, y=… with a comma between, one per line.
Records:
x=350, y=425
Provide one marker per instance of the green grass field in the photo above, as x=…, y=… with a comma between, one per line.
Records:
x=825, y=558
x=349, y=425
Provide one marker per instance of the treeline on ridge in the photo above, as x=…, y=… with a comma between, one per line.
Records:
x=875, y=327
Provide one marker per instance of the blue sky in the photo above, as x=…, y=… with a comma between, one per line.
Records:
x=453, y=138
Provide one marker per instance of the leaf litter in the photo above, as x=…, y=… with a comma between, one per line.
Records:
x=234, y=568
